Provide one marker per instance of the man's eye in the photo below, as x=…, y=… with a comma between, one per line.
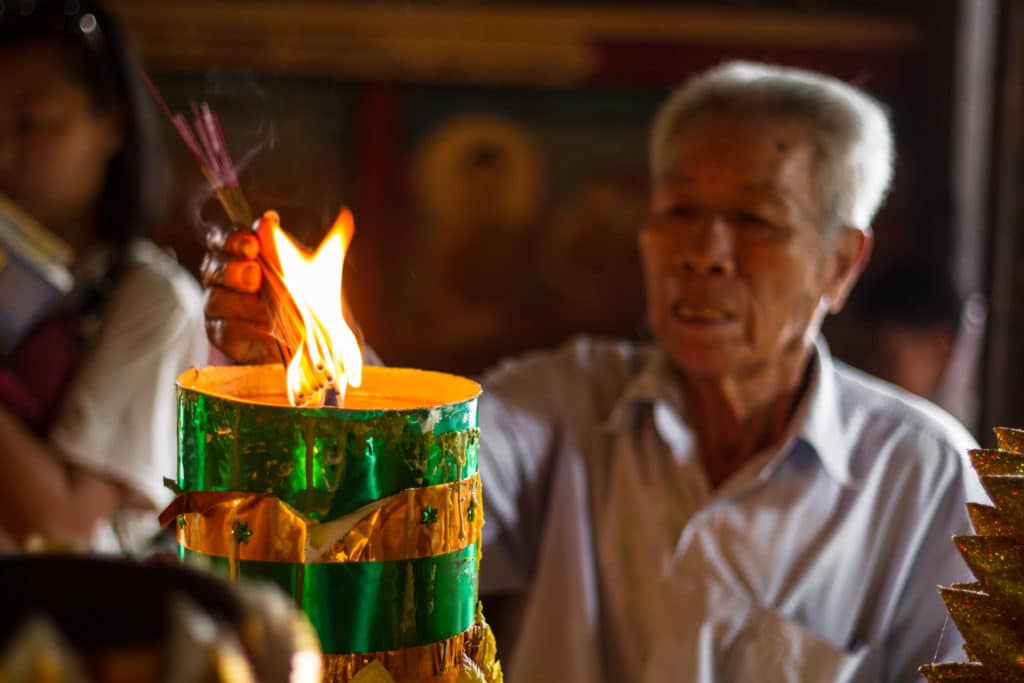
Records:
x=752, y=220
x=682, y=212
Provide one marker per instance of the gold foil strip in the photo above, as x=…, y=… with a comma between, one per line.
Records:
x=432, y=663
x=239, y=525
x=417, y=522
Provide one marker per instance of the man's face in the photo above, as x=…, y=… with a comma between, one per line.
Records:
x=734, y=258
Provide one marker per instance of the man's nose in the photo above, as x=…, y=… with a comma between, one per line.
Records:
x=708, y=249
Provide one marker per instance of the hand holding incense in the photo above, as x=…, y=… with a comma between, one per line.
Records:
x=321, y=352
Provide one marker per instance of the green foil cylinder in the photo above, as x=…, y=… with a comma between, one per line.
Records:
x=403, y=429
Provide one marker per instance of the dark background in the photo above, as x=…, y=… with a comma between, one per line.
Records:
x=494, y=153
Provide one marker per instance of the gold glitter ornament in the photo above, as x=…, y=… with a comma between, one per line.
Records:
x=988, y=461
x=1007, y=492
x=990, y=631
x=972, y=672
x=989, y=613
x=987, y=521
x=990, y=554
x=1010, y=439
x=1010, y=586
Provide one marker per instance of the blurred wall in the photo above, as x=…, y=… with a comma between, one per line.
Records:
x=1004, y=371
x=494, y=153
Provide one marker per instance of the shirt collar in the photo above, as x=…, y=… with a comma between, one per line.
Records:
x=652, y=383
x=817, y=422
x=823, y=425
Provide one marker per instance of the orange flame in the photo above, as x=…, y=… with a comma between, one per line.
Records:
x=325, y=351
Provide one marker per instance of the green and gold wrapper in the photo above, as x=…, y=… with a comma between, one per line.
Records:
x=989, y=613
x=369, y=515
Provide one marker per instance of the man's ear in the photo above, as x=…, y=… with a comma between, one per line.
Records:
x=850, y=252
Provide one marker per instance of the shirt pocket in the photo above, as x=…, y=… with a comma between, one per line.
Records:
x=771, y=647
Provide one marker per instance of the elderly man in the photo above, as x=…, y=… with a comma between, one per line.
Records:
x=730, y=504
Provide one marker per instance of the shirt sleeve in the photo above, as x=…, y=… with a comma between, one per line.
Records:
x=922, y=631
x=516, y=443
x=119, y=417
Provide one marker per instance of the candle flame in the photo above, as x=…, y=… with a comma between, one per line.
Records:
x=326, y=356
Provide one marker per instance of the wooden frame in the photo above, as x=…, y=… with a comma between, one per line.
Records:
x=492, y=45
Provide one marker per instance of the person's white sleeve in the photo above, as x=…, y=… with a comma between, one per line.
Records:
x=119, y=416
x=516, y=440
x=922, y=631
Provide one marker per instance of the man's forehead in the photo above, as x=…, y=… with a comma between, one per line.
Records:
x=767, y=185
x=760, y=151
x=777, y=134
x=758, y=174
x=774, y=180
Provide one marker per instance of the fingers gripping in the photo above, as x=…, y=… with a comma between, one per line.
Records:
x=220, y=269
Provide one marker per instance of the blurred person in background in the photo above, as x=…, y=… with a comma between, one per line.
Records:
x=87, y=412
x=729, y=503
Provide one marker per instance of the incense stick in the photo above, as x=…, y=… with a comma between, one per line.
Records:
x=206, y=142
x=296, y=338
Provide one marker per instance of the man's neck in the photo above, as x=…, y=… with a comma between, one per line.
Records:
x=735, y=417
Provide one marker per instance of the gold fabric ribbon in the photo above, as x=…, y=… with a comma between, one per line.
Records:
x=416, y=522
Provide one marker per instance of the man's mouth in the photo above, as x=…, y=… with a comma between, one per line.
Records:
x=691, y=313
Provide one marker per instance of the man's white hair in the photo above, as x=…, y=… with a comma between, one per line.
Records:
x=849, y=128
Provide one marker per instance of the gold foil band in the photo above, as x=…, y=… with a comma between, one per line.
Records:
x=438, y=662
x=419, y=522
x=416, y=522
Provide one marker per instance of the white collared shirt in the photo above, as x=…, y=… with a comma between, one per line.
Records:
x=817, y=561
x=119, y=415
